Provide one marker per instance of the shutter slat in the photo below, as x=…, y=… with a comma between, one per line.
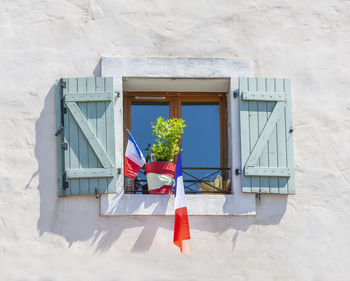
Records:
x=266, y=143
x=66, y=119
x=272, y=143
x=244, y=129
x=253, y=129
x=289, y=137
x=59, y=140
x=101, y=127
x=281, y=144
x=83, y=144
x=111, y=182
x=73, y=145
x=262, y=114
x=91, y=118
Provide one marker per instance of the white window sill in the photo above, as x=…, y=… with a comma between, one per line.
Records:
x=146, y=204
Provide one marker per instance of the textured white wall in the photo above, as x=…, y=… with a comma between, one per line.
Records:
x=301, y=237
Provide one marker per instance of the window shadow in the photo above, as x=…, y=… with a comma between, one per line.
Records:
x=76, y=218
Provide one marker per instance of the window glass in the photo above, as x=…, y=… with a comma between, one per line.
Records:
x=200, y=141
x=143, y=113
x=203, y=169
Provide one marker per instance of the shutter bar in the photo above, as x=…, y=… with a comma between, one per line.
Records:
x=89, y=173
x=264, y=96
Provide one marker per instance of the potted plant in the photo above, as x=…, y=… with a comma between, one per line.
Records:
x=160, y=173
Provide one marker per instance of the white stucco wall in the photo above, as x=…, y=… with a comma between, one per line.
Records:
x=301, y=237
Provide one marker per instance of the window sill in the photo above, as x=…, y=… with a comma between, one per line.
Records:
x=207, y=205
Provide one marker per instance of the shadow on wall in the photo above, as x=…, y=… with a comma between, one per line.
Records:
x=77, y=218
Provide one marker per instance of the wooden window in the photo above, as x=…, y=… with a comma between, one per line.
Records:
x=204, y=141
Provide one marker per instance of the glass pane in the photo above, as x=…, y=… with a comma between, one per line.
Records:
x=201, y=143
x=142, y=114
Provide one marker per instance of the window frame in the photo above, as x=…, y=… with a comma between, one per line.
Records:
x=175, y=100
x=211, y=70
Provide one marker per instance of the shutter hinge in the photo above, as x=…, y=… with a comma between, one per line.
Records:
x=63, y=84
x=63, y=108
x=119, y=171
x=236, y=93
x=65, y=185
x=117, y=93
x=64, y=145
x=258, y=196
x=60, y=131
x=98, y=194
x=238, y=172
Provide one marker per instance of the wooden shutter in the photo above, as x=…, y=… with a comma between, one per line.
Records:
x=266, y=135
x=85, y=136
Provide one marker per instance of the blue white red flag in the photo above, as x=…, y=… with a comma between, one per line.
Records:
x=181, y=225
x=134, y=159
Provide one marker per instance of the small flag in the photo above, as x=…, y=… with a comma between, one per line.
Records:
x=134, y=159
x=181, y=226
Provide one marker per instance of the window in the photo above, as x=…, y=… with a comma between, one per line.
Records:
x=204, y=143
x=90, y=130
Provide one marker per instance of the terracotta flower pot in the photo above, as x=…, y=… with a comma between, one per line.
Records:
x=160, y=177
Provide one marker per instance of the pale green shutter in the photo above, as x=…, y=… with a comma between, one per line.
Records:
x=266, y=135
x=85, y=136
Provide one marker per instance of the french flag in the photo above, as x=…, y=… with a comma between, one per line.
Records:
x=181, y=226
x=134, y=159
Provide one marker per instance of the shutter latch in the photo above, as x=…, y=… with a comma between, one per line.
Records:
x=64, y=145
x=238, y=172
x=98, y=194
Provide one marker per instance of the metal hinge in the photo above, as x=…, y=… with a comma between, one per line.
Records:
x=258, y=196
x=236, y=93
x=238, y=172
x=97, y=193
x=60, y=131
x=63, y=84
x=65, y=185
x=64, y=145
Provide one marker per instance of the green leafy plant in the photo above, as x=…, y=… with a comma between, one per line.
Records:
x=168, y=133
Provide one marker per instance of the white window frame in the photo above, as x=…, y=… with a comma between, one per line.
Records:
x=121, y=204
